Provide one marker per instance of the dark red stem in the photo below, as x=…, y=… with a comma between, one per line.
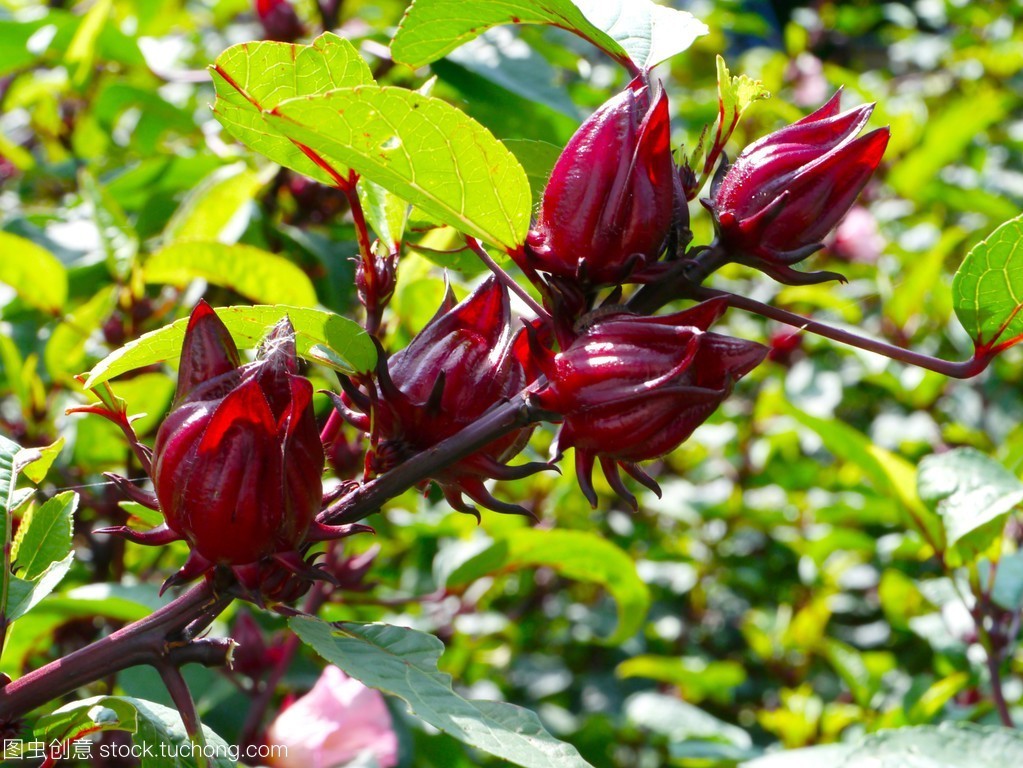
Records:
x=164, y=637
x=503, y=418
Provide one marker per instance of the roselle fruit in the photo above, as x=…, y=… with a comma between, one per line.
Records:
x=237, y=463
x=632, y=388
x=609, y=205
x=279, y=20
x=464, y=361
x=785, y=192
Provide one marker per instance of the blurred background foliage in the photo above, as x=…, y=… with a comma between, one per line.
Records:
x=792, y=598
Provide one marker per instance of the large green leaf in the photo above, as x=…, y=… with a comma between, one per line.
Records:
x=251, y=272
x=949, y=745
x=157, y=730
x=253, y=78
x=973, y=494
x=579, y=555
x=421, y=149
x=403, y=662
x=349, y=343
x=636, y=31
x=987, y=290
x=33, y=272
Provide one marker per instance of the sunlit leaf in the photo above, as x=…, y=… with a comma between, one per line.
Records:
x=253, y=78
x=636, y=31
x=44, y=536
x=421, y=149
x=578, y=555
x=218, y=208
x=35, y=274
x=247, y=325
x=256, y=274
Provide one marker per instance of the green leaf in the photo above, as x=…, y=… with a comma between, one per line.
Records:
x=987, y=290
x=637, y=31
x=972, y=493
x=151, y=725
x=41, y=460
x=118, y=239
x=949, y=745
x=349, y=342
x=579, y=555
x=403, y=662
x=947, y=137
x=385, y=212
x=691, y=732
x=24, y=595
x=1007, y=591
x=9, y=469
x=35, y=274
x=538, y=159
x=253, y=78
x=122, y=602
x=44, y=536
x=891, y=474
x=256, y=274
x=81, y=53
x=421, y=149
x=218, y=208
x=696, y=678
x=65, y=353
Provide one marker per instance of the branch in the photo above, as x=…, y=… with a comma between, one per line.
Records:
x=156, y=639
x=964, y=369
x=506, y=417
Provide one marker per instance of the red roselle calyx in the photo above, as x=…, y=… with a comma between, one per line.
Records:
x=609, y=206
x=237, y=463
x=279, y=20
x=464, y=361
x=785, y=192
x=632, y=388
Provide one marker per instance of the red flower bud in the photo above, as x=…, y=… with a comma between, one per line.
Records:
x=632, y=388
x=608, y=207
x=464, y=361
x=785, y=192
x=237, y=462
x=279, y=20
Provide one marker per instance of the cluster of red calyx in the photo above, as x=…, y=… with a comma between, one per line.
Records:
x=237, y=463
x=237, y=466
x=464, y=361
x=631, y=387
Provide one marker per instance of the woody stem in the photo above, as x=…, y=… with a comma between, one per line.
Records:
x=165, y=637
x=519, y=412
x=964, y=369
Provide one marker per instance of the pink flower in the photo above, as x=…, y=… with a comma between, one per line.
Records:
x=857, y=237
x=338, y=720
